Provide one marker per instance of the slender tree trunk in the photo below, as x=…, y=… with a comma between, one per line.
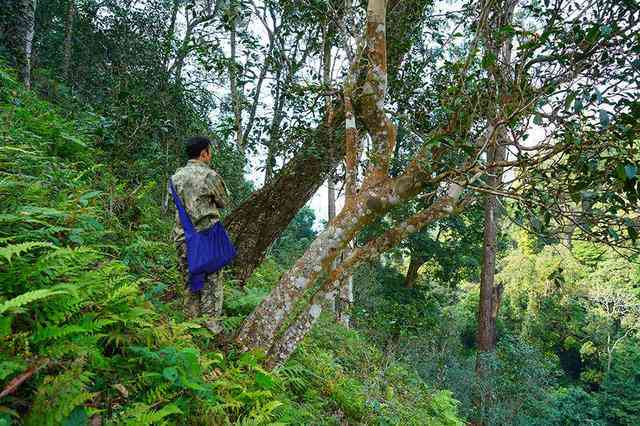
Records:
x=274, y=131
x=18, y=27
x=235, y=94
x=489, y=293
x=68, y=40
x=326, y=82
x=171, y=31
x=412, y=273
x=331, y=197
x=270, y=162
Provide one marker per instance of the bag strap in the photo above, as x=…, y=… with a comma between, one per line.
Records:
x=182, y=213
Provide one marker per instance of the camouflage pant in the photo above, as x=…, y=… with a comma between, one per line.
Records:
x=205, y=303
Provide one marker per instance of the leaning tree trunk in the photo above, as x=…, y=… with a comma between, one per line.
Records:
x=259, y=221
x=412, y=273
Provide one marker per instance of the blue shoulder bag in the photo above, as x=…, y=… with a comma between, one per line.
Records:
x=208, y=251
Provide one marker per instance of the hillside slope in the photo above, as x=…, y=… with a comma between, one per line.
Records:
x=90, y=328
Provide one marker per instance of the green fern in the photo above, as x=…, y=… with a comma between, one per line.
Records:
x=16, y=250
x=295, y=377
x=59, y=395
x=143, y=415
x=29, y=298
x=161, y=393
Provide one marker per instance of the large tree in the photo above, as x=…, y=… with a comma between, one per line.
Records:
x=477, y=107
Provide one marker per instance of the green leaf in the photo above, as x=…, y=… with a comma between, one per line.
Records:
x=537, y=225
x=488, y=60
x=78, y=417
x=264, y=381
x=84, y=200
x=28, y=298
x=569, y=100
x=5, y=327
x=170, y=373
x=8, y=252
x=247, y=360
x=575, y=196
x=74, y=140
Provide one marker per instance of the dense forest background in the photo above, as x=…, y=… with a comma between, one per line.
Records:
x=483, y=269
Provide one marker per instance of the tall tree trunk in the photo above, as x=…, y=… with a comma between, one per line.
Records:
x=68, y=39
x=236, y=100
x=274, y=130
x=259, y=221
x=18, y=27
x=490, y=294
x=171, y=31
x=486, y=321
x=331, y=197
x=326, y=82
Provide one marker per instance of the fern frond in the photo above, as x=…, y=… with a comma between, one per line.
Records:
x=58, y=396
x=295, y=376
x=142, y=415
x=15, y=250
x=28, y=298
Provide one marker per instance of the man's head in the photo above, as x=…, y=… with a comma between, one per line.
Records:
x=198, y=148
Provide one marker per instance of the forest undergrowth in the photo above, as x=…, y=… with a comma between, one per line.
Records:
x=90, y=324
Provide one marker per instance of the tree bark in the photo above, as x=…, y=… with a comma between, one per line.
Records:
x=345, y=301
x=326, y=82
x=259, y=221
x=18, y=27
x=233, y=80
x=412, y=273
x=489, y=293
x=500, y=14
x=68, y=40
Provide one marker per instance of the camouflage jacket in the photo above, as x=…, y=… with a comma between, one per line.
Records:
x=202, y=192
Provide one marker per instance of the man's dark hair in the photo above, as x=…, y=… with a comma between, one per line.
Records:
x=195, y=145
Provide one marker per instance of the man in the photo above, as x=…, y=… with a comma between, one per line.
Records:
x=203, y=193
